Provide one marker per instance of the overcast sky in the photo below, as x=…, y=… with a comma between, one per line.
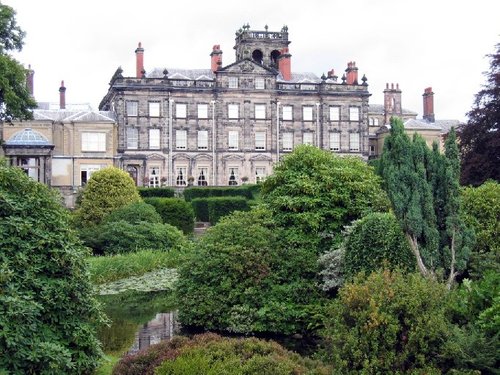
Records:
x=416, y=43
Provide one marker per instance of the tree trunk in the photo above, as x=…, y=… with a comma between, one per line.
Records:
x=420, y=263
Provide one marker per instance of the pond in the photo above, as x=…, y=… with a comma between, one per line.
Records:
x=141, y=319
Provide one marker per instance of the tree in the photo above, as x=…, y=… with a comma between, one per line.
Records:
x=481, y=207
x=107, y=190
x=15, y=99
x=48, y=313
x=387, y=323
x=480, y=137
x=315, y=194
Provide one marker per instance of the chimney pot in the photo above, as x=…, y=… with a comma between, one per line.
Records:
x=139, y=61
x=62, y=96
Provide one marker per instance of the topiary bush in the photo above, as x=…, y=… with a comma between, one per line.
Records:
x=211, y=354
x=107, y=190
x=162, y=192
x=48, y=313
x=174, y=211
x=222, y=206
x=135, y=213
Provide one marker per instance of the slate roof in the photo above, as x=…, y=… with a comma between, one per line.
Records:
x=193, y=74
x=63, y=115
x=379, y=110
x=421, y=125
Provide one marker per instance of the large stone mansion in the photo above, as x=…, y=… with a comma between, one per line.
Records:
x=217, y=126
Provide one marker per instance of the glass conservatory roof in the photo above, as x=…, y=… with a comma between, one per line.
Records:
x=28, y=137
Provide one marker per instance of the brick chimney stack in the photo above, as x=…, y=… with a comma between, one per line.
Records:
x=62, y=96
x=216, y=56
x=429, y=105
x=285, y=64
x=351, y=73
x=139, y=61
x=29, y=81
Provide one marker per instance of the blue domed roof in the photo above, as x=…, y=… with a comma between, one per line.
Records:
x=28, y=137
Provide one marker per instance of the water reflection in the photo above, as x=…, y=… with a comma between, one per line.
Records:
x=163, y=327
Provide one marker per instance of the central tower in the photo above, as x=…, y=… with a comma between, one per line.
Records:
x=264, y=47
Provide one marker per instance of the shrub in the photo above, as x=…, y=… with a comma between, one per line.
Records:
x=119, y=237
x=107, y=190
x=211, y=354
x=223, y=206
x=316, y=193
x=174, y=211
x=481, y=206
x=48, y=314
x=387, y=323
x=200, y=207
x=134, y=213
x=241, y=278
x=376, y=241
x=163, y=192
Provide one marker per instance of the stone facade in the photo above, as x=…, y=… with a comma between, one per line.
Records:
x=230, y=124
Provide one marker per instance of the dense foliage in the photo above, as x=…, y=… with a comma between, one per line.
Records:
x=48, y=314
x=15, y=99
x=479, y=138
x=246, y=191
x=482, y=212
x=475, y=337
x=134, y=213
x=387, y=323
x=161, y=192
x=210, y=354
x=120, y=237
x=174, y=211
x=243, y=279
x=219, y=207
x=424, y=192
x=376, y=241
x=316, y=193
x=106, y=191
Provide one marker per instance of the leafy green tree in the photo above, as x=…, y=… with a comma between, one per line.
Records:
x=48, y=314
x=387, y=323
x=479, y=138
x=315, y=193
x=243, y=278
x=424, y=190
x=15, y=99
x=481, y=207
x=107, y=190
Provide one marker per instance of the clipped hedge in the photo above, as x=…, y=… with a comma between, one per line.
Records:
x=200, y=207
x=163, y=192
x=174, y=211
x=246, y=191
x=222, y=206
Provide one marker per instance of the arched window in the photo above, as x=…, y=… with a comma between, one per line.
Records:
x=257, y=56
